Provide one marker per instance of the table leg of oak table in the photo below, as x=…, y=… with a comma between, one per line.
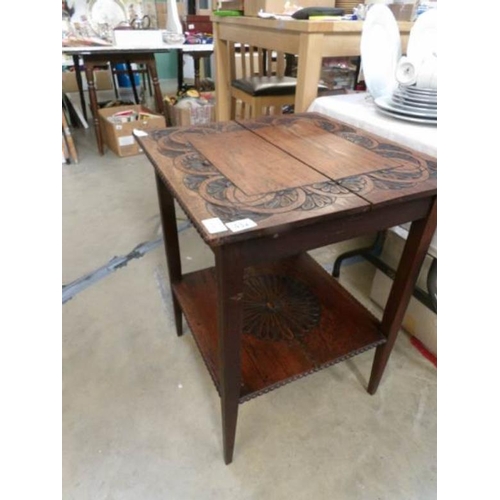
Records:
x=229, y=269
x=415, y=250
x=89, y=73
x=223, y=101
x=171, y=242
x=308, y=70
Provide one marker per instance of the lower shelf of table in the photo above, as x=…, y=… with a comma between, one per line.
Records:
x=296, y=320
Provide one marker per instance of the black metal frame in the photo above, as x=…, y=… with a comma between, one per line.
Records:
x=371, y=254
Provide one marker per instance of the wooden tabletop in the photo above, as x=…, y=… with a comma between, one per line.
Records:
x=283, y=172
x=313, y=26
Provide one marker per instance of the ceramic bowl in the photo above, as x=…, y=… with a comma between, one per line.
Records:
x=173, y=38
x=427, y=73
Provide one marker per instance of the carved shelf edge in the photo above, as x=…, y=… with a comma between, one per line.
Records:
x=270, y=388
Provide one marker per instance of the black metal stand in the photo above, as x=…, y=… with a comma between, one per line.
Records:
x=371, y=253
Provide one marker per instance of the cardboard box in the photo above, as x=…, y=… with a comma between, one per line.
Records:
x=119, y=137
x=161, y=12
x=102, y=80
x=185, y=117
x=252, y=7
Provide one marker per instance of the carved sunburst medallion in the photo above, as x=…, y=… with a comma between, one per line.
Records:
x=278, y=308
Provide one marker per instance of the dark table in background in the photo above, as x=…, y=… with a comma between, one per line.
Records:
x=93, y=57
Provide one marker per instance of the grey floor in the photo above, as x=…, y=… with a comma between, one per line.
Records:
x=141, y=418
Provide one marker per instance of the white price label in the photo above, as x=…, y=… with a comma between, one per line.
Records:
x=240, y=225
x=126, y=140
x=214, y=225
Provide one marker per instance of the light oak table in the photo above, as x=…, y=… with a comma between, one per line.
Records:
x=309, y=40
x=267, y=313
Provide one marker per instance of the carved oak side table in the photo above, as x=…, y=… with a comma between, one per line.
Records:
x=262, y=193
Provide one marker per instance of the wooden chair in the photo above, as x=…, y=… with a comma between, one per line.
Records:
x=258, y=81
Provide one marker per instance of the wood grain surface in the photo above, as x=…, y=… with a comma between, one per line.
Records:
x=275, y=172
x=283, y=172
x=317, y=341
x=330, y=154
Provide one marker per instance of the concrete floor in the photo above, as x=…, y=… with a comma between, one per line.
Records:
x=141, y=418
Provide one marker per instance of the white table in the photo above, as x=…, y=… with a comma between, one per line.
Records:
x=358, y=109
x=97, y=55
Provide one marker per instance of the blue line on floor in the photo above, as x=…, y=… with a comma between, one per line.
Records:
x=80, y=284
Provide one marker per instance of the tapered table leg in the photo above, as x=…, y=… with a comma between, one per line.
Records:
x=78, y=75
x=151, y=65
x=89, y=73
x=131, y=76
x=414, y=252
x=229, y=271
x=171, y=242
x=180, y=69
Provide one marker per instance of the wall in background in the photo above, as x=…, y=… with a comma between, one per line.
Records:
x=166, y=65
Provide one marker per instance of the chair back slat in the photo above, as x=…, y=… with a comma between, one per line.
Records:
x=269, y=62
x=260, y=58
x=247, y=60
x=280, y=64
x=246, y=52
x=251, y=57
x=247, y=98
x=232, y=60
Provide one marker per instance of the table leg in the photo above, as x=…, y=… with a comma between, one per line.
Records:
x=196, y=61
x=308, y=70
x=415, y=250
x=229, y=270
x=222, y=77
x=171, y=242
x=180, y=69
x=131, y=76
x=78, y=75
x=151, y=65
x=89, y=73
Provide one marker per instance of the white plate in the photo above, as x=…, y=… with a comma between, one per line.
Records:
x=411, y=108
x=110, y=12
x=423, y=121
x=423, y=37
x=396, y=98
x=380, y=50
x=387, y=104
x=422, y=99
x=418, y=90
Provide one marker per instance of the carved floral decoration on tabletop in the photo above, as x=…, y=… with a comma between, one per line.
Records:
x=224, y=199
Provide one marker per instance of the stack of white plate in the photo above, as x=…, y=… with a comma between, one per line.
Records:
x=380, y=54
x=410, y=103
